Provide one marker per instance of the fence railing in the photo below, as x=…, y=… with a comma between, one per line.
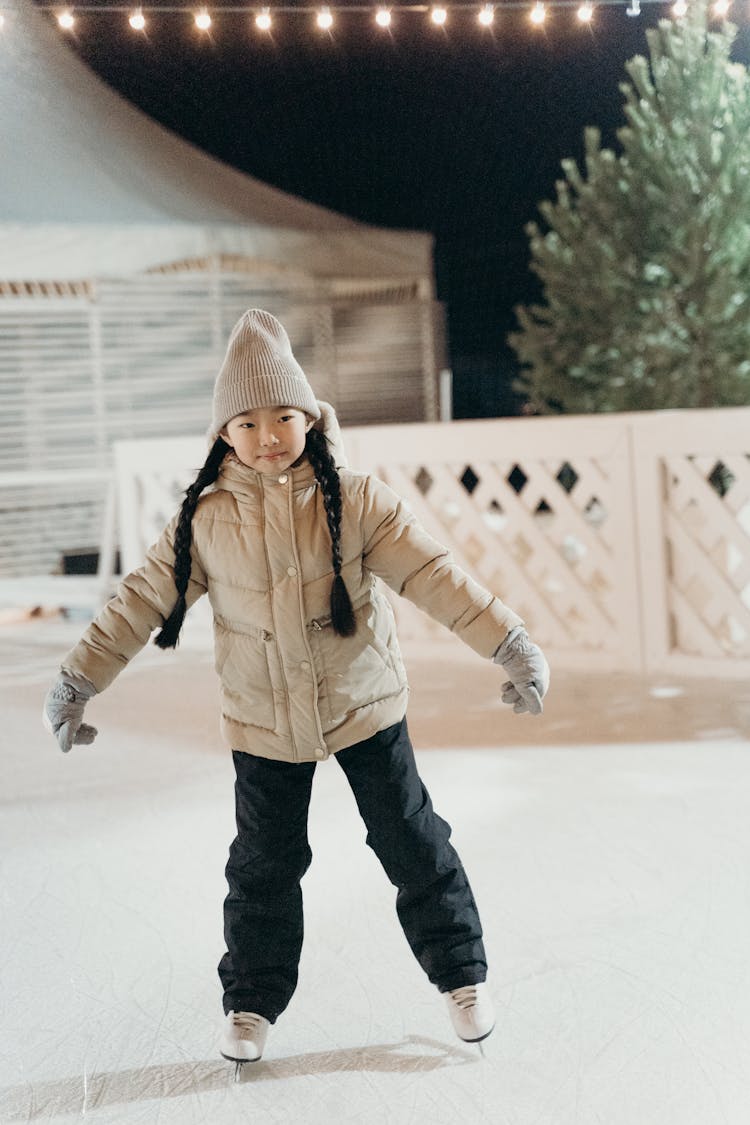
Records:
x=622, y=540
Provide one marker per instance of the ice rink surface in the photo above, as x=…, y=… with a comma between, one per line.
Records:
x=608, y=845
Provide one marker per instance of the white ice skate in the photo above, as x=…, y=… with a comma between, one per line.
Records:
x=243, y=1038
x=472, y=1012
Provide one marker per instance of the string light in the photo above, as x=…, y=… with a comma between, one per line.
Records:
x=2, y=21
x=438, y=12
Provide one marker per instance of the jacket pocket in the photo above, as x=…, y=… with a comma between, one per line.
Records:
x=359, y=670
x=241, y=661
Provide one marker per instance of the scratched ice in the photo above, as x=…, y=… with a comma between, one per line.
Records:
x=611, y=874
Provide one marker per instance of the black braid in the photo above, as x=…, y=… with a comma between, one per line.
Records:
x=183, y=539
x=324, y=467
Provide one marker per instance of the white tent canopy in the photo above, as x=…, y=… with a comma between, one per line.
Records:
x=91, y=186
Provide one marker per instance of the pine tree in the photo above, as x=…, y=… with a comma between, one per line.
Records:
x=646, y=263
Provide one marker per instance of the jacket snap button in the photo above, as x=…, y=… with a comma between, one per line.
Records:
x=305, y=665
x=283, y=478
x=291, y=571
x=320, y=753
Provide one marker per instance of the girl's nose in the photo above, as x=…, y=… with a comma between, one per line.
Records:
x=268, y=437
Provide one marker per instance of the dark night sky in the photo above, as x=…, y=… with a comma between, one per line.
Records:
x=458, y=131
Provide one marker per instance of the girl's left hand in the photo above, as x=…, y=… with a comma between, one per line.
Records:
x=528, y=672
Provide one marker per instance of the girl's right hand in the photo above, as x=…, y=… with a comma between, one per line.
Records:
x=63, y=710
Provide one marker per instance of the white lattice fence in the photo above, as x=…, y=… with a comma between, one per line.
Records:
x=623, y=540
x=151, y=478
x=693, y=498
x=538, y=510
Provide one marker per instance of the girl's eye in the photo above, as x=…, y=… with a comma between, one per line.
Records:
x=247, y=426
x=285, y=418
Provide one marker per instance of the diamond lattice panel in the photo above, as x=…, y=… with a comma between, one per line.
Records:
x=707, y=528
x=537, y=534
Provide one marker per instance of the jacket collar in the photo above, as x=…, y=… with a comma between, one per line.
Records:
x=238, y=478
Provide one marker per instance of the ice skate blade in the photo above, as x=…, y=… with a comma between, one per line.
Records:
x=239, y=1062
x=479, y=1038
x=238, y=1065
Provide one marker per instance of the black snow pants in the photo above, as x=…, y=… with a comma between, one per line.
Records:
x=263, y=923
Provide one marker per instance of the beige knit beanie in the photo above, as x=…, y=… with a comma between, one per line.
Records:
x=259, y=370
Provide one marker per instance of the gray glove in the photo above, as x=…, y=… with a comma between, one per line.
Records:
x=63, y=710
x=527, y=669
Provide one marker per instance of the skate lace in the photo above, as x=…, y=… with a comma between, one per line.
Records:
x=246, y=1022
x=465, y=997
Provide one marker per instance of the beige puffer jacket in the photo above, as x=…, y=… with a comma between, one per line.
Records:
x=291, y=689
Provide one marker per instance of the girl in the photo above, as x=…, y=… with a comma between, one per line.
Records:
x=288, y=545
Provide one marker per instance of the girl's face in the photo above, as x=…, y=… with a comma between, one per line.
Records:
x=268, y=439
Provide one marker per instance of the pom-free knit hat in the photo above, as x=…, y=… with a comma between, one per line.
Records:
x=259, y=370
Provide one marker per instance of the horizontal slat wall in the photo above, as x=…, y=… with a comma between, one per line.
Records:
x=381, y=374
x=39, y=523
x=46, y=406
x=137, y=358
x=158, y=345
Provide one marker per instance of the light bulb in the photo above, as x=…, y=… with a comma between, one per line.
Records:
x=325, y=19
x=679, y=8
x=383, y=17
x=634, y=9
x=66, y=19
x=203, y=20
x=263, y=21
x=137, y=21
x=487, y=15
x=585, y=13
x=2, y=21
x=721, y=7
x=538, y=14
x=438, y=16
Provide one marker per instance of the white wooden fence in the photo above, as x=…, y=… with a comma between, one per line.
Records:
x=622, y=540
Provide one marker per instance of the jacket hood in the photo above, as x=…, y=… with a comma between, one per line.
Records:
x=328, y=423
